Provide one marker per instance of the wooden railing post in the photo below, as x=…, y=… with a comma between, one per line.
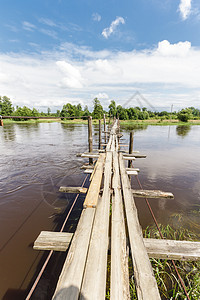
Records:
x=130, y=148
x=100, y=134
x=90, y=137
x=104, y=122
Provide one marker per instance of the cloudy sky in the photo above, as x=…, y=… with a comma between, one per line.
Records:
x=57, y=51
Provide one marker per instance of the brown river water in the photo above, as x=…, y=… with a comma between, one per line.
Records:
x=36, y=159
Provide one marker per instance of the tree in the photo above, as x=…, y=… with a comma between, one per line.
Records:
x=98, y=109
x=122, y=113
x=23, y=111
x=78, y=110
x=86, y=111
x=112, y=109
x=184, y=115
x=68, y=110
x=48, y=111
x=6, y=108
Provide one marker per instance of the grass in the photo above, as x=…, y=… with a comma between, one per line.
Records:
x=164, y=272
x=29, y=121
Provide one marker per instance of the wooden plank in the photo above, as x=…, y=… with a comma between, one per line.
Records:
x=88, y=171
x=146, y=285
x=69, y=283
x=94, y=281
x=94, y=188
x=131, y=172
x=119, y=258
x=73, y=189
x=129, y=157
x=133, y=169
x=90, y=155
x=57, y=241
x=136, y=155
x=172, y=249
x=152, y=194
x=87, y=167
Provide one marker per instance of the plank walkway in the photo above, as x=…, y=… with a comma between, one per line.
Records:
x=84, y=273
x=111, y=210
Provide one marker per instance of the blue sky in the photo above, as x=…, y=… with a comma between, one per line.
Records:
x=58, y=51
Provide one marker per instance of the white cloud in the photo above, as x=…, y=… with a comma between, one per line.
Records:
x=47, y=22
x=28, y=26
x=179, y=49
x=50, y=33
x=108, y=31
x=169, y=72
x=96, y=17
x=185, y=8
x=73, y=78
x=102, y=96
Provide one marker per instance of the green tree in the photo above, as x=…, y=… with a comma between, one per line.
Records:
x=78, y=110
x=6, y=108
x=184, y=115
x=122, y=113
x=68, y=110
x=112, y=109
x=23, y=112
x=98, y=109
x=86, y=111
x=48, y=111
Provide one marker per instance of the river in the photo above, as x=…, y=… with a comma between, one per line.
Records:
x=36, y=159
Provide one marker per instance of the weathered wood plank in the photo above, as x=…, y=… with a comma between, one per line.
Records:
x=172, y=249
x=88, y=171
x=152, y=194
x=146, y=285
x=119, y=258
x=129, y=157
x=94, y=188
x=90, y=155
x=87, y=167
x=133, y=169
x=73, y=189
x=131, y=172
x=136, y=155
x=57, y=241
x=94, y=281
x=69, y=283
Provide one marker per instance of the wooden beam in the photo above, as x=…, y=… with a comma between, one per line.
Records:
x=87, y=167
x=57, y=241
x=94, y=188
x=129, y=157
x=119, y=288
x=133, y=169
x=136, y=155
x=152, y=194
x=131, y=172
x=146, y=285
x=94, y=281
x=70, y=280
x=90, y=155
x=172, y=249
x=88, y=171
x=73, y=190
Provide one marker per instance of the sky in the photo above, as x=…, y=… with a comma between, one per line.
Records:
x=57, y=51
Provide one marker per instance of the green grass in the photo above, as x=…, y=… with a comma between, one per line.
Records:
x=29, y=121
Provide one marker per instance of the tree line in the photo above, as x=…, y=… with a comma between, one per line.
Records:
x=76, y=111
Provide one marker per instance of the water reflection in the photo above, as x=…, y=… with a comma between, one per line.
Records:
x=183, y=130
x=135, y=127
x=9, y=133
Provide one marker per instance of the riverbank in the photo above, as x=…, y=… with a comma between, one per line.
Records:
x=156, y=122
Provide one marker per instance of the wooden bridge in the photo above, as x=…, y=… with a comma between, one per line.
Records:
x=109, y=210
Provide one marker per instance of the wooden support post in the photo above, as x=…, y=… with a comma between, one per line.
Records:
x=130, y=148
x=90, y=137
x=104, y=123
x=99, y=134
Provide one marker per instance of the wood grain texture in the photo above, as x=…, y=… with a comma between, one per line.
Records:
x=57, y=241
